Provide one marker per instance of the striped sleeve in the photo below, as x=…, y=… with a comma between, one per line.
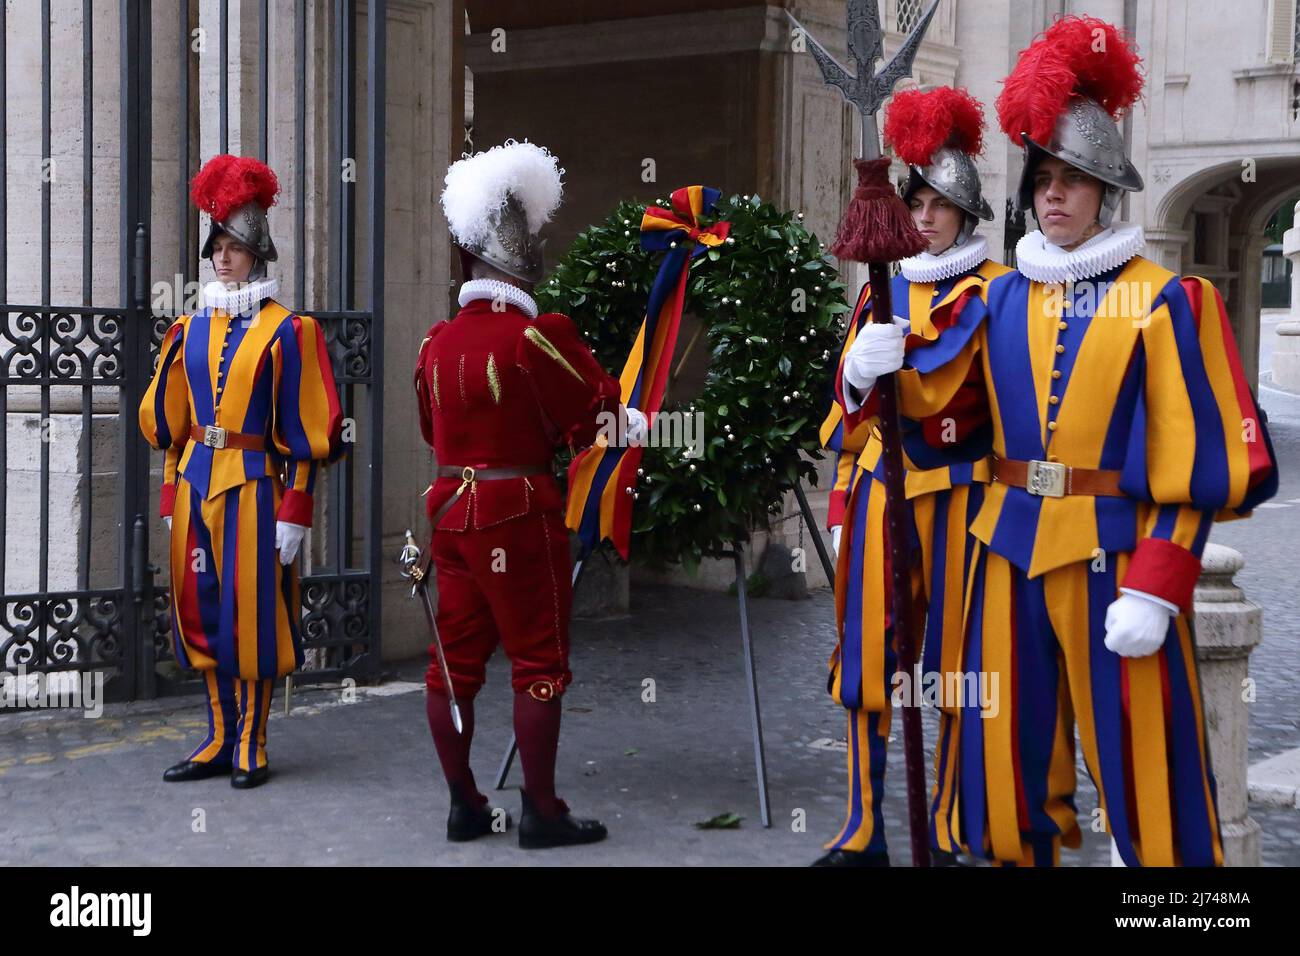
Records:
x=1199, y=443
x=308, y=416
x=847, y=444
x=939, y=378
x=165, y=409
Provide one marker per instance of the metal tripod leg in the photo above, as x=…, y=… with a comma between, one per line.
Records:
x=508, y=760
x=827, y=564
x=756, y=720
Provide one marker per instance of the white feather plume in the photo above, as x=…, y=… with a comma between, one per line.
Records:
x=477, y=186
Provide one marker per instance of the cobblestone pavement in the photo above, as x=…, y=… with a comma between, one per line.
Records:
x=1268, y=541
x=357, y=784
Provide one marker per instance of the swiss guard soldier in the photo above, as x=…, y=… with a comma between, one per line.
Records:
x=500, y=388
x=938, y=133
x=1123, y=427
x=244, y=405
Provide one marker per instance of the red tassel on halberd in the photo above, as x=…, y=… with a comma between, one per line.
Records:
x=877, y=226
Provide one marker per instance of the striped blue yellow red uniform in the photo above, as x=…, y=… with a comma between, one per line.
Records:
x=1134, y=371
x=235, y=608
x=943, y=500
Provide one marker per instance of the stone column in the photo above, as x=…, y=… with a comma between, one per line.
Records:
x=1286, y=351
x=1228, y=628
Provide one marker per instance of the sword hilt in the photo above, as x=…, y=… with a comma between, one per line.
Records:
x=409, y=559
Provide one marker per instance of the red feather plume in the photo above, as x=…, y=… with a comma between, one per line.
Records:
x=917, y=123
x=1076, y=56
x=226, y=182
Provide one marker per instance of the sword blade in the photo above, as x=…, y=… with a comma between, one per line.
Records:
x=442, y=657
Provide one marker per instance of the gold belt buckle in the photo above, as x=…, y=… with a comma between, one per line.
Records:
x=467, y=474
x=214, y=436
x=1046, y=479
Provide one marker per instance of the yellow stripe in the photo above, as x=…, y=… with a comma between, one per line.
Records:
x=246, y=583
x=534, y=335
x=999, y=731
x=1065, y=591
x=1147, y=732
x=1042, y=315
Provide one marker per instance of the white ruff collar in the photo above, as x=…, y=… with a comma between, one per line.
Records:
x=953, y=261
x=496, y=290
x=240, y=300
x=1040, y=261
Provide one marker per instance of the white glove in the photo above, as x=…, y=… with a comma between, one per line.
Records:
x=638, y=429
x=1136, y=623
x=288, y=538
x=877, y=351
x=168, y=519
x=835, y=538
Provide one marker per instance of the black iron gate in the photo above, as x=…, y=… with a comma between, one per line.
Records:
x=78, y=506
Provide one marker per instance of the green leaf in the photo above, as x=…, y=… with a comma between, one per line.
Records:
x=723, y=821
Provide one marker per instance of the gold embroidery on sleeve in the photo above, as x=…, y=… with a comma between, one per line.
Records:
x=532, y=334
x=494, y=380
x=463, y=400
x=437, y=395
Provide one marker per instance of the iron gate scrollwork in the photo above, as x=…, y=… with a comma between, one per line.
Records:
x=77, y=504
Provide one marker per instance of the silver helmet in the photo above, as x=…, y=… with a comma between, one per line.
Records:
x=952, y=174
x=509, y=246
x=496, y=203
x=1086, y=137
x=248, y=225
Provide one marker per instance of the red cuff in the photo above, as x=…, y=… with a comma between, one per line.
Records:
x=835, y=508
x=295, y=507
x=1164, y=569
x=167, y=500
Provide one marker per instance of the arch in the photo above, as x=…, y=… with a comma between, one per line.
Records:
x=1247, y=208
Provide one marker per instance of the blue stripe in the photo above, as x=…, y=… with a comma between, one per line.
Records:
x=1210, y=478
x=855, y=783
x=228, y=660
x=1038, y=683
x=1009, y=362
x=1108, y=711
x=267, y=559
x=1192, y=815
x=938, y=549
x=972, y=775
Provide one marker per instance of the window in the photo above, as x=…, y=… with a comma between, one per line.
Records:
x=909, y=13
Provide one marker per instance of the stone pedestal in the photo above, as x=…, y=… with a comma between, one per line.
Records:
x=1228, y=628
x=1286, y=351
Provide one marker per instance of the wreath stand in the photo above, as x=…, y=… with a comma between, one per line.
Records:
x=747, y=649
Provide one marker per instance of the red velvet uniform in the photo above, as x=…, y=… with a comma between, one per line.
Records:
x=498, y=389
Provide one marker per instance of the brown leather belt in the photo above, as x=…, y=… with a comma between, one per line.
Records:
x=215, y=437
x=1051, y=479
x=468, y=474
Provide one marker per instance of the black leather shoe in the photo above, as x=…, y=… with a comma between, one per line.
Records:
x=194, y=770
x=470, y=820
x=248, y=779
x=536, y=832
x=852, y=858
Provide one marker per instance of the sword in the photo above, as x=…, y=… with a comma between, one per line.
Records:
x=866, y=90
x=418, y=572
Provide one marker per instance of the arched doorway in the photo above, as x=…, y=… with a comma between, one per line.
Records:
x=1212, y=223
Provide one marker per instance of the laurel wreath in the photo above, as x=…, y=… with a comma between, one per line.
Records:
x=768, y=382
